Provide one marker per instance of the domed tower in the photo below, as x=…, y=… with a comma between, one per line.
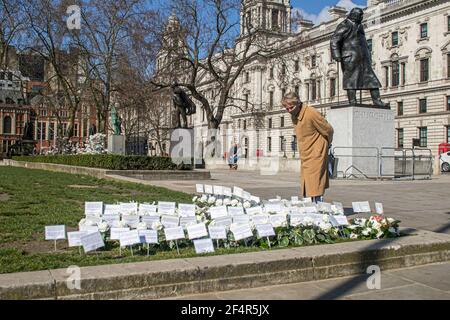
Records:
x=271, y=16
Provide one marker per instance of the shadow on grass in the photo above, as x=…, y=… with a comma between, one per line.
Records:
x=368, y=256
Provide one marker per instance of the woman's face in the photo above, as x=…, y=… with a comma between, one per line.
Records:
x=289, y=106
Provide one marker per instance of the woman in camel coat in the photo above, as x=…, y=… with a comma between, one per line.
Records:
x=314, y=136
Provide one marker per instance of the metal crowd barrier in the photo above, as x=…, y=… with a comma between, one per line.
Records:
x=386, y=163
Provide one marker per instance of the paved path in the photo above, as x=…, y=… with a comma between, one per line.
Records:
x=430, y=282
x=419, y=204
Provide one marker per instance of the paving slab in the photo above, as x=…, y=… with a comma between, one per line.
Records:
x=409, y=292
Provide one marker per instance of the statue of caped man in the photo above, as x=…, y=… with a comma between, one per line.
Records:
x=349, y=47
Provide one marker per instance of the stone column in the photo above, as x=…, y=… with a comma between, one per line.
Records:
x=13, y=124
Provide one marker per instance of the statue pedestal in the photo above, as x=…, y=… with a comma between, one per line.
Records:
x=361, y=134
x=116, y=144
x=182, y=146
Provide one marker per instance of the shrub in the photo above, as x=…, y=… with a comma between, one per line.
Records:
x=107, y=161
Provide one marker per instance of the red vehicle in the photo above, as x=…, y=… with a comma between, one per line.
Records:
x=444, y=148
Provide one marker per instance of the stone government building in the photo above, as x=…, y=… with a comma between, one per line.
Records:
x=410, y=44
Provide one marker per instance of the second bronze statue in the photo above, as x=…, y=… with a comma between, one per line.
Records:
x=349, y=47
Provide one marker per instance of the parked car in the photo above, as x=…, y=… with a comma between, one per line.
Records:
x=445, y=162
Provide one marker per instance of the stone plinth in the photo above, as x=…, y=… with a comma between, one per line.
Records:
x=361, y=133
x=116, y=144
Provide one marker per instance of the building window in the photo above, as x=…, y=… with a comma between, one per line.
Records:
x=448, y=65
x=271, y=99
x=400, y=138
x=332, y=87
x=282, y=142
x=448, y=103
x=423, y=106
x=283, y=70
x=275, y=24
x=247, y=77
x=294, y=143
x=400, y=108
x=395, y=74
x=395, y=39
x=370, y=45
x=7, y=125
x=403, y=73
x=448, y=134
x=282, y=122
x=313, y=61
x=297, y=65
x=42, y=130
x=448, y=23
x=271, y=73
x=386, y=76
x=269, y=144
x=245, y=124
x=246, y=100
x=424, y=30
x=270, y=123
x=423, y=136
x=424, y=70
x=75, y=130
x=314, y=90
x=51, y=131
x=297, y=90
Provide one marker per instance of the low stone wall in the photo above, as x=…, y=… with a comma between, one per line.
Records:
x=267, y=165
x=147, y=175
x=166, y=278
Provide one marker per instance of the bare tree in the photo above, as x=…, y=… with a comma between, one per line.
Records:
x=211, y=54
x=53, y=41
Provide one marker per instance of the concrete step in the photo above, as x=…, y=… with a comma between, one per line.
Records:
x=171, y=278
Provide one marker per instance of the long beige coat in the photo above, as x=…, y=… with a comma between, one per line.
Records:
x=314, y=135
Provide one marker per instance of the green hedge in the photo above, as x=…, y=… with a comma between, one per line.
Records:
x=110, y=162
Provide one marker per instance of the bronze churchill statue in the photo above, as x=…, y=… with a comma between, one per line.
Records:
x=349, y=47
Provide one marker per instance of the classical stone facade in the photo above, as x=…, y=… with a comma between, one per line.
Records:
x=410, y=43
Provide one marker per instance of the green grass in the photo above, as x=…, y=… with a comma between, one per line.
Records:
x=32, y=199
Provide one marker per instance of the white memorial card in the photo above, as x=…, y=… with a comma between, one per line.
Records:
x=170, y=221
x=148, y=210
x=74, y=238
x=88, y=229
x=148, y=236
x=209, y=189
x=254, y=211
x=217, y=232
x=379, y=208
x=176, y=233
x=199, y=188
x=235, y=211
x=129, y=238
x=260, y=219
x=241, y=219
x=203, y=246
x=218, y=190
x=241, y=232
x=111, y=218
x=150, y=220
x=273, y=207
x=223, y=221
x=187, y=221
x=324, y=207
x=265, y=230
x=238, y=192
x=278, y=220
x=166, y=207
x=339, y=221
x=227, y=192
x=92, y=241
x=112, y=209
x=130, y=208
x=247, y=196
x=255, y=199
x=361, y=207
x=55, y=232
x=131, y=221
x=115, y=233
x=197, y=231
x=186, y=210
x=295, y=219
x=93, y=209
x=218, y=212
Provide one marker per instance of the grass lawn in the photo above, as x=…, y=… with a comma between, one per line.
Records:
x=33, y=199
